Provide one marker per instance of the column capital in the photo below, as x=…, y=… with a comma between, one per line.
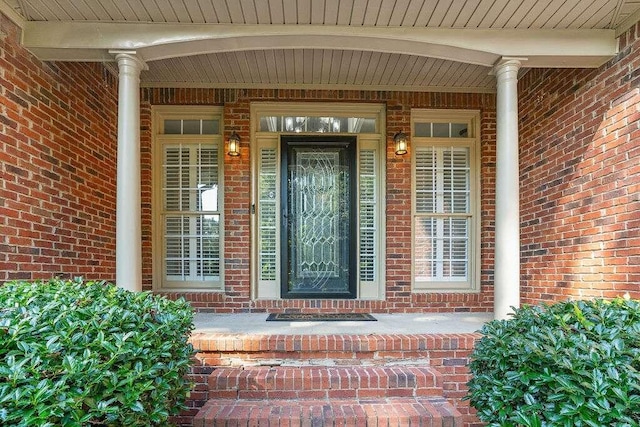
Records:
x=507, y=63
x=129, y=57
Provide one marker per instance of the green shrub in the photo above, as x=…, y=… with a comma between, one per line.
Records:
x=567, y=364
x=75, y=354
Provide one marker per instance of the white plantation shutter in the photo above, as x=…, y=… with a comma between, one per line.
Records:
x=175, y=226
x=442, y=176
x=267, y=209
x=191, y=216
x=368, y=217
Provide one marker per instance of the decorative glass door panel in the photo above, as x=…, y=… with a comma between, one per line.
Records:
x=318, y=217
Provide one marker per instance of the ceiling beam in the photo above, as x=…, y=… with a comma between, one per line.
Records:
x=12, y=14
x=90, y=41
x=628, y=22
x=367, y=87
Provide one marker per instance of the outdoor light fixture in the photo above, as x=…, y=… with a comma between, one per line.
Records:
x=234, y=144
x=400, y=139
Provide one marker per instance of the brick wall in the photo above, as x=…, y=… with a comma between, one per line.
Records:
x=237, y=199
x=57, y=165
x=580, y=177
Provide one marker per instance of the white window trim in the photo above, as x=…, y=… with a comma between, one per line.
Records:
x=159, y=115
x=473, y=139
x=377, y=141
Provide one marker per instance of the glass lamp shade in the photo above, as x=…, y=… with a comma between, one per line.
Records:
x=234, y=144
x=400, y=140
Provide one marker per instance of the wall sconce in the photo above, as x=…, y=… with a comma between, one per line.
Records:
x=234, y=144
x=400, y=140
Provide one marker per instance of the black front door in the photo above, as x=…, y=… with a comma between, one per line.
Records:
x=318, y=247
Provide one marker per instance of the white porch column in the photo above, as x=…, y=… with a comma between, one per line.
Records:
x=507, y=229
x=128, y=209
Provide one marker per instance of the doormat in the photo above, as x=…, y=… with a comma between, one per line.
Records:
x=320, y=317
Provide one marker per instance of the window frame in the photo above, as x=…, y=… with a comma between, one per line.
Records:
x=472, y=142
x=159, y=140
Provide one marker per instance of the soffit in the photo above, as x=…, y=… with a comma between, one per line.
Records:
x=327, y=43
x=410, y=13
x=313, y=68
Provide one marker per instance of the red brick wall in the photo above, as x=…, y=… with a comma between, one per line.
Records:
x=57, y=166
x=237, y=199
x=580, y=177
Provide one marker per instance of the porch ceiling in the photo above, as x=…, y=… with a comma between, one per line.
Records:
x=338, y=44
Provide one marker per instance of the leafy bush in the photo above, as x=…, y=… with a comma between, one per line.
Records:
x=75, y=353
x=568, y=364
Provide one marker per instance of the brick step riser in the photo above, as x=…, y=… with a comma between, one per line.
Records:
x=320, y=383
x=318, y=358
x=325, y=394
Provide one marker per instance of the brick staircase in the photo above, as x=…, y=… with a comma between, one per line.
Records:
x=330, y=380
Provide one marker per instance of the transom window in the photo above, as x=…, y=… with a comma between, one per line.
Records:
x=317, y=124
x=188, y=212
x=444, y=200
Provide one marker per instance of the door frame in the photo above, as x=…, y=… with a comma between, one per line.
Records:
x=350, y=142
x=374, y=143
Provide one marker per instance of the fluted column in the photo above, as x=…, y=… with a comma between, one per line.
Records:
x=128, y=203
x=507, y=229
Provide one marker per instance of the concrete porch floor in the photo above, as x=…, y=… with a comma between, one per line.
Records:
x=400, y=323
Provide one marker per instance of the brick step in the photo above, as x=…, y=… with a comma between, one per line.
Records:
x=240, y=350
x=389, y=412
x=436, y=362
x=320, y=382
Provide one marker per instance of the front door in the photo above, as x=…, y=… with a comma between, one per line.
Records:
x=318, y=246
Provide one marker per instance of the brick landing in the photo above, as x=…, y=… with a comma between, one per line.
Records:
x=386, y=379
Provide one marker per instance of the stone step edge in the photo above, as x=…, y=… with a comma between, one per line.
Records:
x=425, y=412
x=324, y=382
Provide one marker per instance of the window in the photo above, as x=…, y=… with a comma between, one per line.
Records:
x=445, y=242
x=188, y=198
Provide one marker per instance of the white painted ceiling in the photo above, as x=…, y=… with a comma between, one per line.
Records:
x=332, y=64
